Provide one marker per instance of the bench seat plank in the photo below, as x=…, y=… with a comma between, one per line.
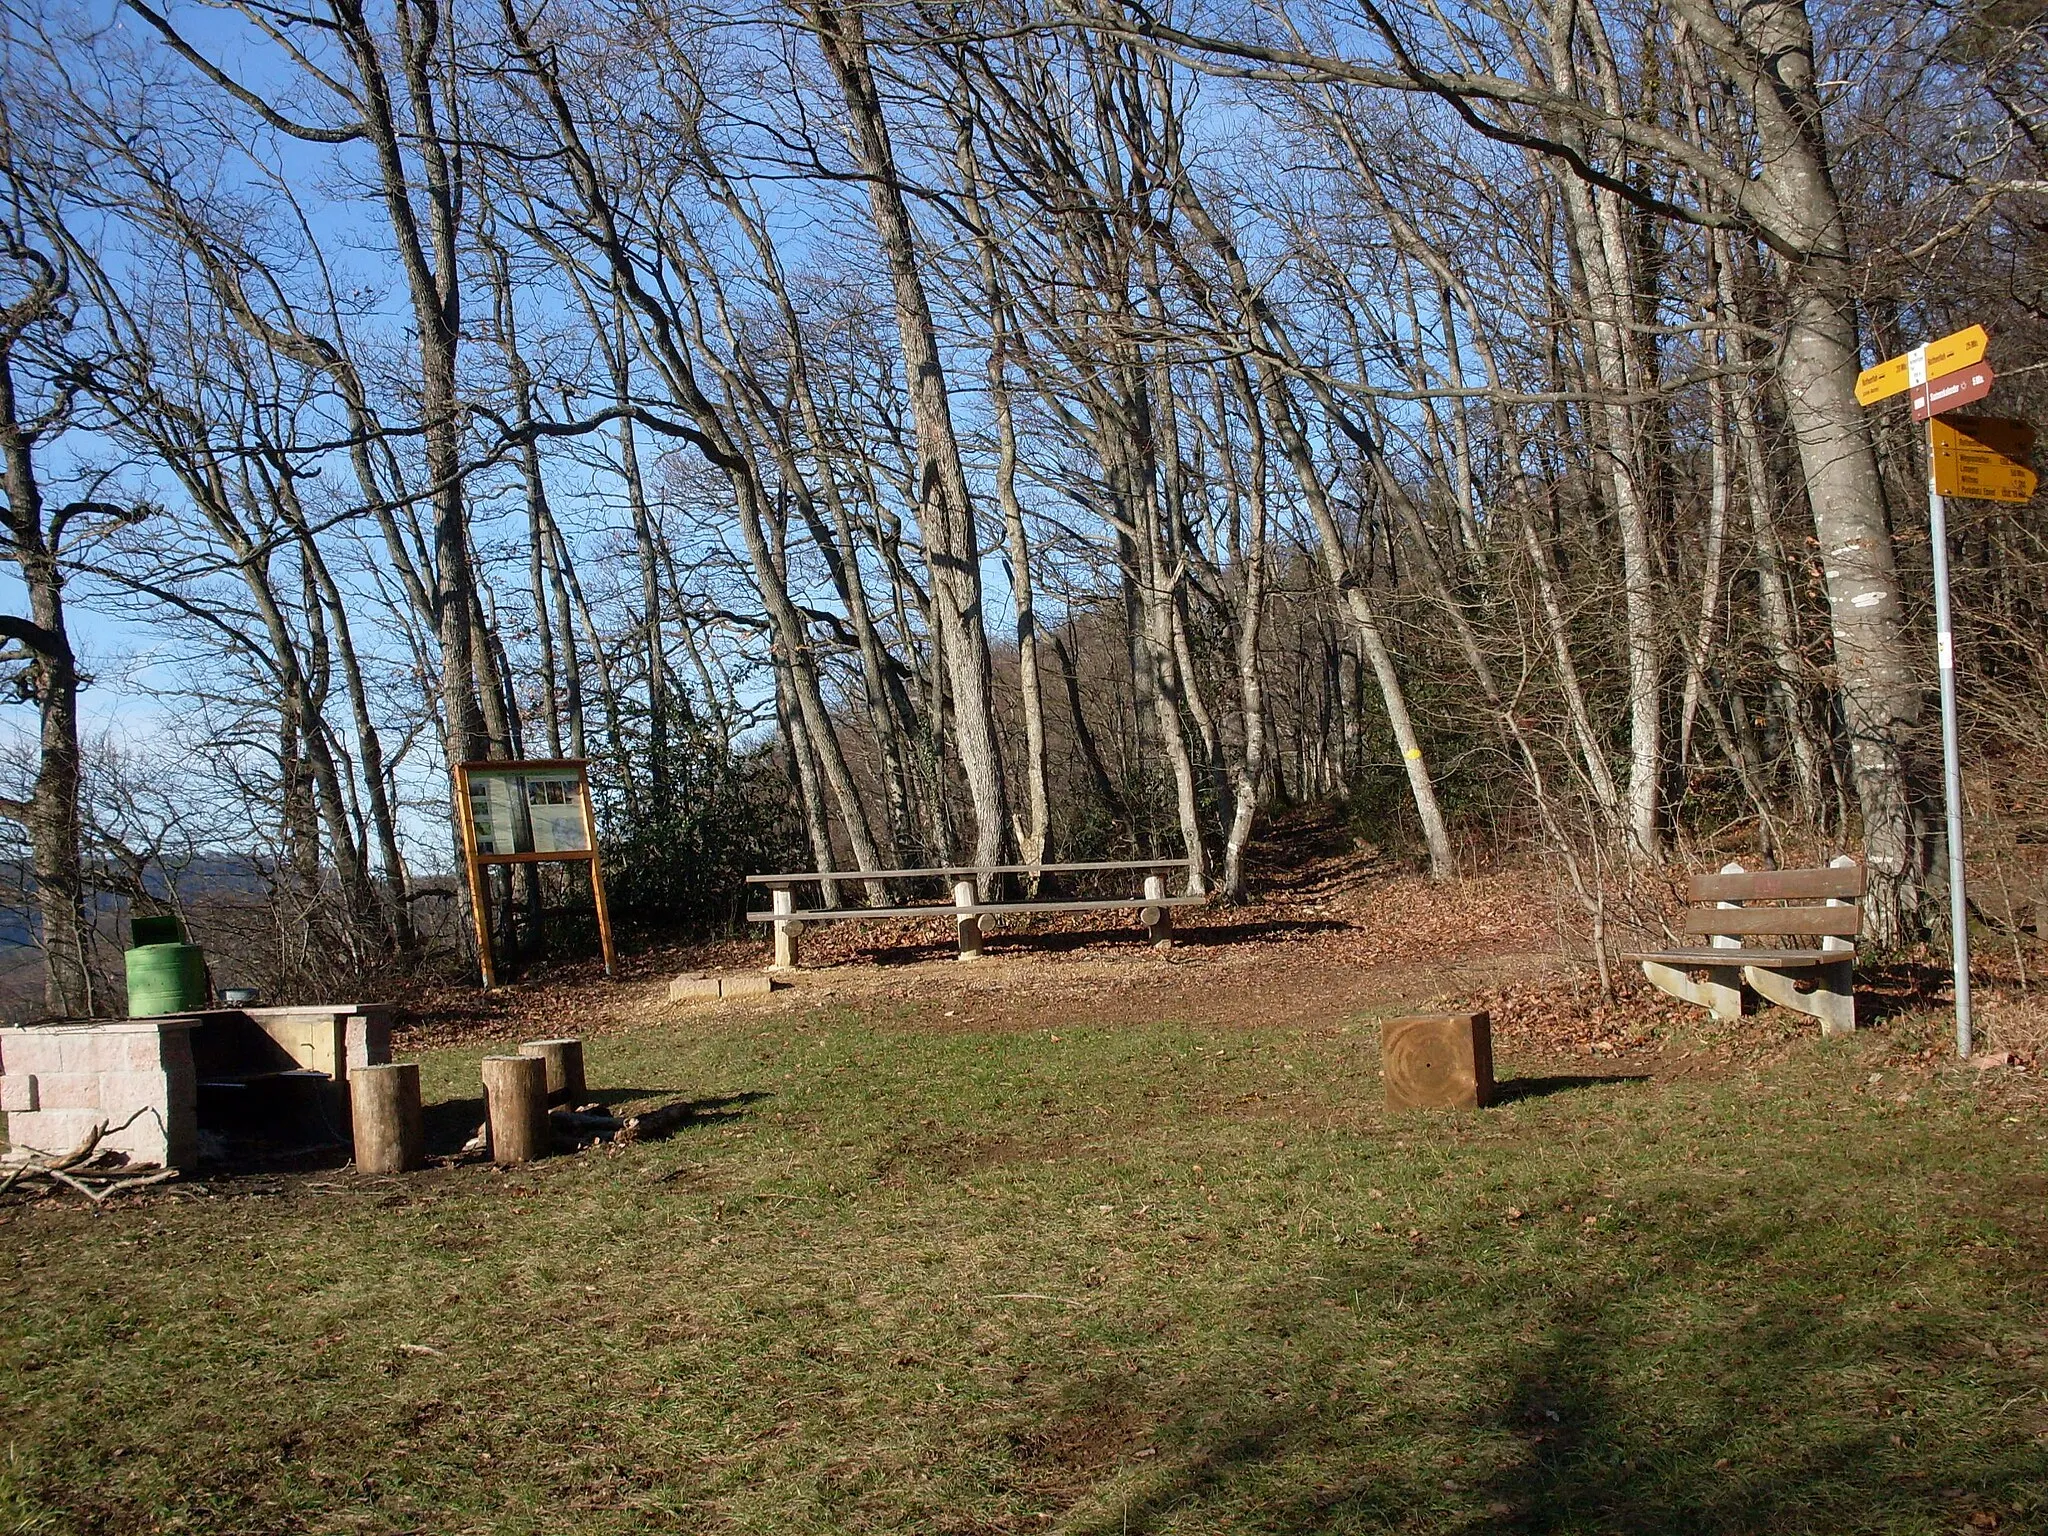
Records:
x=1774, y=959
x=829, y=914
x=961, y=871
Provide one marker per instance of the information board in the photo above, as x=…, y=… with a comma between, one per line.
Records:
x=533, y=812
x=517, y=810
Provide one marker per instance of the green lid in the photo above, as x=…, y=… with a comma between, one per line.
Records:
x=161, y=929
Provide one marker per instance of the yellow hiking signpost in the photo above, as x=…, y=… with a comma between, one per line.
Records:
x=1982, y=456
x=1894, y=376
x=1979, y=456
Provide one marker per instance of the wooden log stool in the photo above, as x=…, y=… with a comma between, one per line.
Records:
x=516, y=1108
x=564, y=1062
x=390, y=1125
x=1437, y=1061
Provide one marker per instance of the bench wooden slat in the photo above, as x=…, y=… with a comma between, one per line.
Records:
x=961, y=871
x=1774, y=959
x=1842, y=922
x=843, y=914
x=1844, y=884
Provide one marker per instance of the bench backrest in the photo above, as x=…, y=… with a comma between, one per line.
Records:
x=1841, y=886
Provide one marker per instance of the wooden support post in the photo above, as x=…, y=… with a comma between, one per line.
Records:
x=1158, y=920
x=516, y=1108
x=787, y=929
x=390, y=1125
x=564, y=1062
x=479, y=898
x=964, y=895
x=604, y=912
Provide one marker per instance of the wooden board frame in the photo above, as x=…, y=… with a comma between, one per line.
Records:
x=476, y=861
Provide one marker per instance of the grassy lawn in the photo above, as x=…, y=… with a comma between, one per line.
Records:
x=1155, y=1279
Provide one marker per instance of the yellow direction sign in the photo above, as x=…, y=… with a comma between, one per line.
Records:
x=1894, y=375
x=1982, y=456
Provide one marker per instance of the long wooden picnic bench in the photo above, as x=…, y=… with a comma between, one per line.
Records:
x=1729, y=907
x=1153, y=906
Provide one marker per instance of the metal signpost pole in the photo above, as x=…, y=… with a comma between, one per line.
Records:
x=1951, y=756
x=1938, y=376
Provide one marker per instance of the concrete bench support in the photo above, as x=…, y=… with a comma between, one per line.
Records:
x=787, y=929
x=1158, y=919
x=1832, y=1000
x=970, y=925
x=1719, y=990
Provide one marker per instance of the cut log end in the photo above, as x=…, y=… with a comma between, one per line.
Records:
x=563, y=1060
x=516, y=1108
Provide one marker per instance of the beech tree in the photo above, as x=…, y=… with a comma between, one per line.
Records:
x=1007, y=431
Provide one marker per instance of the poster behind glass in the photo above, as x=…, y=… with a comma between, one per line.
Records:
x=523, y=811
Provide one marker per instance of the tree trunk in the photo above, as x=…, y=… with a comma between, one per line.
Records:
x=945, y=507
x=50, y=815
x=1769, y=53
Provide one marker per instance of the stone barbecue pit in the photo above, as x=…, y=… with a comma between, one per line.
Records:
x=274, y=1076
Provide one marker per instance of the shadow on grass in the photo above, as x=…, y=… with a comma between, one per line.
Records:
x=714, y=1110
x=452, y=1122
x=1568, y=1424
x=1206, y=935
x=1542, y=1087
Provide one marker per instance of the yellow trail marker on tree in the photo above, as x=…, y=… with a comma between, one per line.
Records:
x=1894, y=376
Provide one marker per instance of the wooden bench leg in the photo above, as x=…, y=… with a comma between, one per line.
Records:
x=1720, y=993
x=1159, y=919
x=970, y=924
x=1832, y=1001
x=787, y=930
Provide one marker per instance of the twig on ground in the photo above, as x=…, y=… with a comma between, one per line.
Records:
x=68, y=1170
x=656, y=1122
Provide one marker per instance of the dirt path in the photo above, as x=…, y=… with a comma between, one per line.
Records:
x=1336, y=941
x=1336, y=933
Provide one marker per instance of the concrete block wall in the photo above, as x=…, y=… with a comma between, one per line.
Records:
x=330, y=1038
x=59, y=1081
x=695, y=985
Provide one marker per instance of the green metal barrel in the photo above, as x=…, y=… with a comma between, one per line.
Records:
x=165, y=978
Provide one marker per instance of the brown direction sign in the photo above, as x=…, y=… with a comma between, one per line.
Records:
x=1894, y=375
x=1983, y=457
x=1966, y=386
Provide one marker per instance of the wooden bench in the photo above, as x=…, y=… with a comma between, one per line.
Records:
x=1153, y=906
x=1737, y=905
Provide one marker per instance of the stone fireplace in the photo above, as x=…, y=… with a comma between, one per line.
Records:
x=281, y=1072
